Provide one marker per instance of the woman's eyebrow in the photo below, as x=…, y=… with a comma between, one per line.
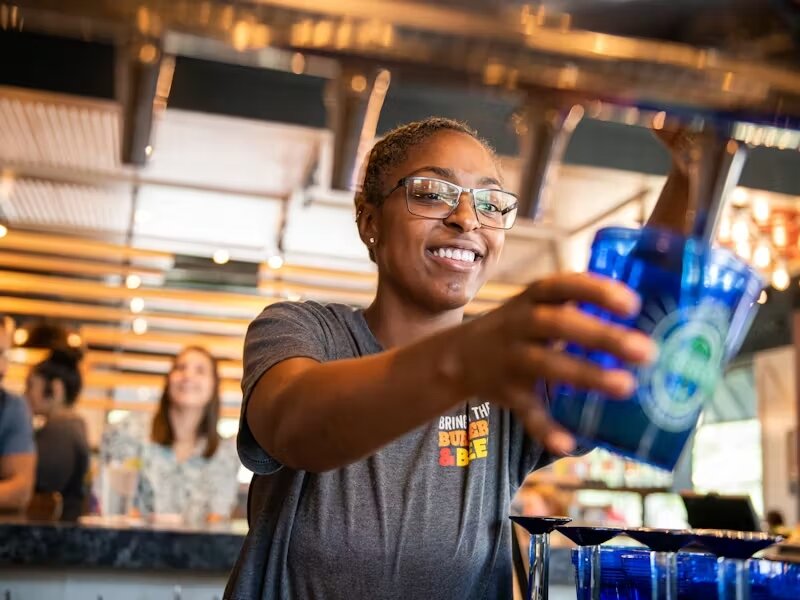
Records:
x=440, y=171
x=489, y=181
x=450, y=174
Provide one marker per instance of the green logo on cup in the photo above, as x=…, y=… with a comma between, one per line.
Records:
x=691, y=346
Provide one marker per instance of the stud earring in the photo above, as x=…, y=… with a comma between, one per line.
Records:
x=372, y=240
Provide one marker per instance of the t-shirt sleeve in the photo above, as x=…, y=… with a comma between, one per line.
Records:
x=16, y=427
x=282, y=331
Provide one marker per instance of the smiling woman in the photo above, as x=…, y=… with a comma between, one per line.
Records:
x=180, y=446
x=387, y=442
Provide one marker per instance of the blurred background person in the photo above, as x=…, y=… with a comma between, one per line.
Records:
x=17, y=448
x=187, y=472
x=52, y=387
x=541, y=500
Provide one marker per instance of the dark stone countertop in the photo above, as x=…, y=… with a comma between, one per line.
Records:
x=117, y=547
x=105, y=546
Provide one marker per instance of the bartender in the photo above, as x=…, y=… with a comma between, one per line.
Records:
x=387, y=443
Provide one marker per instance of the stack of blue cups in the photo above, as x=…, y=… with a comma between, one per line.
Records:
x=625, y=575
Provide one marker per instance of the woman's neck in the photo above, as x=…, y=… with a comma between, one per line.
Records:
x=185, y=424
x=395, y=321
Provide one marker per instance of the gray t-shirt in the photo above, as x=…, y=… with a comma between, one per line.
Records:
x=424, y=517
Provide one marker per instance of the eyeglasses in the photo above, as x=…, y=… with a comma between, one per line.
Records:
x=437, y=199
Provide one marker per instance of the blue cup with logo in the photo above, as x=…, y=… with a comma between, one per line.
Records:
x=697, y=304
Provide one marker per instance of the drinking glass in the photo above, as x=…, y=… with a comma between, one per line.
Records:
x=539, y=552
x=697, y=304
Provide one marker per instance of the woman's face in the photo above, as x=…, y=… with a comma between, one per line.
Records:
x=405, y=244
x=35, y=393
x=191, y=381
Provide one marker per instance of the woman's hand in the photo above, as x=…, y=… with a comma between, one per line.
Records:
x=508, y=351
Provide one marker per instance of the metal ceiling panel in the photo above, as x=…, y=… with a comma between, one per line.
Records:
x=31, y=202
x=52, y=130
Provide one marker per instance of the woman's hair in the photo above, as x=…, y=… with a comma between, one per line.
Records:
x=62, y=364
x=393, y=148
x=162, y=433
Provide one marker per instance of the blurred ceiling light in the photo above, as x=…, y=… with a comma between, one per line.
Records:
x=780, y=277
x=221, y=256
x=762, y=299
x=743, y=249
x=739, y=196
x=137, y=305
x=358, y=83
x=724, y=233
x=779, y=234
x=3, y=231
x=740, y=231
x=275, y=262
x=148, y=53
x=298, y=64
x=240, y=35
x=133, y=281
x=760, y=210
x=344, y=33
x=20, y=336
x=762, y=256
x=139, y=326
x=291, y=297
x=74, y=340
x=148, y=150
x=261, y=36
x=142, y=216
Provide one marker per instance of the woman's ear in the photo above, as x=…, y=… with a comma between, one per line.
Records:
x=367, y=216
x=59, y=392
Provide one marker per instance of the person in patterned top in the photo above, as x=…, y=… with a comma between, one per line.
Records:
x=187, y=472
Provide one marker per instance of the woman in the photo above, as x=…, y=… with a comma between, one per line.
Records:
x=187, y=472
x=51, y=389
x=387, y=442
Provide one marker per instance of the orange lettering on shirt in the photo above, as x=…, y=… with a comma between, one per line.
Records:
x=458, y=438
x=478, y=429
x=444, y=439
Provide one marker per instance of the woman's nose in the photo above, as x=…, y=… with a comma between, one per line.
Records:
x=464, y=216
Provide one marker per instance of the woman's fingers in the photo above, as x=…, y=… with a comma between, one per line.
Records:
x=570, y=324
x=533, y=415
x=585, y=287
x=537, y=362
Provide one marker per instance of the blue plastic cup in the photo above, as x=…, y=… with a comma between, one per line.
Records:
x=697, y=304
x=624, y=574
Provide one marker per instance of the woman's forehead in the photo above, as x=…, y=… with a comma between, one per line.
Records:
x=452, y=151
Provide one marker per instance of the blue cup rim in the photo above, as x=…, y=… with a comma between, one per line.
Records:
x=722, y=256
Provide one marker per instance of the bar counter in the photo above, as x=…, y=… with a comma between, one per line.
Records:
x=102, y=560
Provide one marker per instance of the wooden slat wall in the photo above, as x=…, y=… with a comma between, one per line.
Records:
x=81, y=283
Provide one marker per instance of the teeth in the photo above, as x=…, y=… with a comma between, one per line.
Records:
x=455, y=254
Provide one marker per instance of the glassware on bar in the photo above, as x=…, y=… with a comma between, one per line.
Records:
x=539, y=552
x=697, y=303
x=664, y=545
x=733, y=550
x=588, y=540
